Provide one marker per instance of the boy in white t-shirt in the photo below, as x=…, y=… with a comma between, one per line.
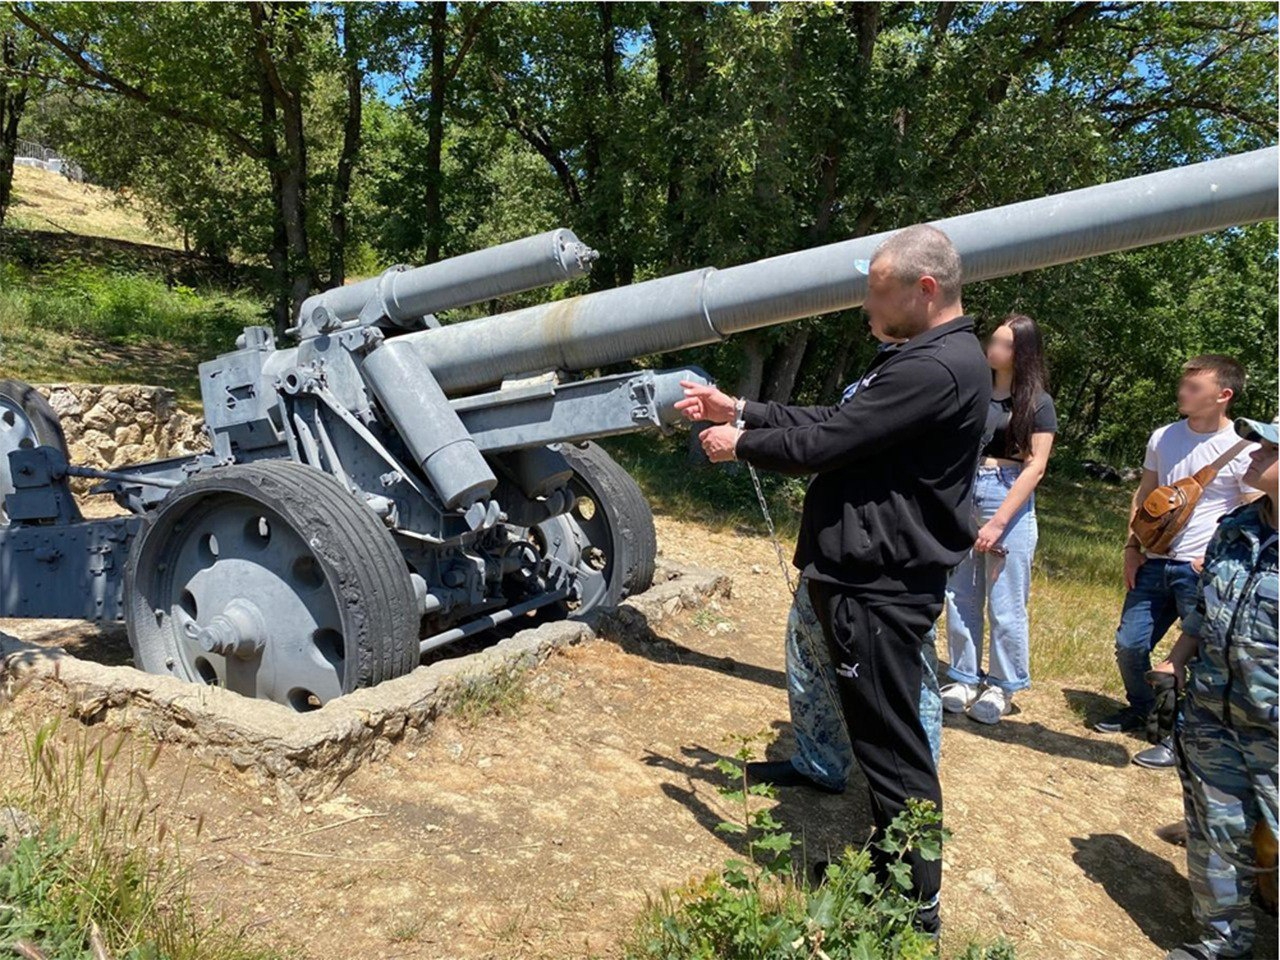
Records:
x=1162, y=588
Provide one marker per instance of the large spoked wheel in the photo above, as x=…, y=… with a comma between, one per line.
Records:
x=26, y=420
x=612, y=527
x=271, y=580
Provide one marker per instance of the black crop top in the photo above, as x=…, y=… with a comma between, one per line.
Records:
x=995, y=439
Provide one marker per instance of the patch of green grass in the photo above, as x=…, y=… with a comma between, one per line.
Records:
x=102, y=877
x=82, y=322
x=718, y=496
x=477, y=697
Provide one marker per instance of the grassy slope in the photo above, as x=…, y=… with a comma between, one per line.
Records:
x=49, y=201
x=102, y=298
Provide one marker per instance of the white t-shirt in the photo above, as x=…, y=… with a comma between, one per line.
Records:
x=1176, y=451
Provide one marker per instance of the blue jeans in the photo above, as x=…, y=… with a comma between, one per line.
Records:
x=1163, y=591
x=985, y=585
x=823, y=751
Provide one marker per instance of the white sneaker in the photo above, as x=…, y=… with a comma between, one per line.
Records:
x=991, y=705
x=956, y=697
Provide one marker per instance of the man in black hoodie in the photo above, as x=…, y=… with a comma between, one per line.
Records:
x=887, y=514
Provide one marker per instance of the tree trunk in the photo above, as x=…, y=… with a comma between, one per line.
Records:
x=752, y=376
x=785, y=367
x=278, y=252
x=302, y=279
x=14, y=89
x=435, y=131
x=350, y=150
x=833, y=381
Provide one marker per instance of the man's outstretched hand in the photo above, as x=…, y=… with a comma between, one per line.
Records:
x=720, y=443
x=705, y=403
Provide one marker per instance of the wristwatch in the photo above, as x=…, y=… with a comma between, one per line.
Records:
x=740, y=413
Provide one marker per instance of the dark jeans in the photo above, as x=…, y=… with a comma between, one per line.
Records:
x=875, y=646
x=1163, y=591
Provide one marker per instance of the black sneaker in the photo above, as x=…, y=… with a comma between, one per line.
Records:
x=1123, y=721
x=1159, y=757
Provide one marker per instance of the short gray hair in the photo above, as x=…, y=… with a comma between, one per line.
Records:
x=922, y=251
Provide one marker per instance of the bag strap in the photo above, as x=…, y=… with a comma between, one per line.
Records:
x=1204, y=476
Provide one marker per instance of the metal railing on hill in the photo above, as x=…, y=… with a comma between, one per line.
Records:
x=32, y=154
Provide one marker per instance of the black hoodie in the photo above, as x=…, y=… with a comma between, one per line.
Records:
x=888, y=510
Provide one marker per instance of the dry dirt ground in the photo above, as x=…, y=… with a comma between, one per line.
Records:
x=540, y=832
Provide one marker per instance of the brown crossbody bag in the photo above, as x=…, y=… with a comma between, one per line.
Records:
x=1166, y=510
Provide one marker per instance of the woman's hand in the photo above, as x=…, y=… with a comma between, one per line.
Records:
x=989, y=535
x=703, y=402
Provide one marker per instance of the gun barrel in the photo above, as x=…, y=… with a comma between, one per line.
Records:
x=403, y=294
x=702, y=306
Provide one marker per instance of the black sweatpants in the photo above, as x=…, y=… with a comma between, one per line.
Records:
x=875, y=646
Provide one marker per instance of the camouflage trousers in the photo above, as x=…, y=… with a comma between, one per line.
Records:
x=823, y=751
x=1228, y=785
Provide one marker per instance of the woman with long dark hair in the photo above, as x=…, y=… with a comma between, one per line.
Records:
x=994, y=580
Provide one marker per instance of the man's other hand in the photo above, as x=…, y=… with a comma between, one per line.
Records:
x=706, y=403
x=1133, y=560
x=719, y=443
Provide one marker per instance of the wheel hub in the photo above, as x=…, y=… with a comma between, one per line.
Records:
x=239, y=631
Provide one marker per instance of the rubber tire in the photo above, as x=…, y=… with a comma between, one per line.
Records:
x=44, y=421
x=629, y=516
x=356, y=552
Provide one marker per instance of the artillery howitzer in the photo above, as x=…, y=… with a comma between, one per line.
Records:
x=391, y=485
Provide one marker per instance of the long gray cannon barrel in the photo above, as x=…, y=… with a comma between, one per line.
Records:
x=702, y=306
x=407, y=293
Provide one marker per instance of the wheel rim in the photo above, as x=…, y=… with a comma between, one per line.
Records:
x=595, y=540
x=241, y=601
x=16, y=433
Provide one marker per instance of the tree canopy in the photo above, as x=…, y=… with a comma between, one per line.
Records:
x=327, y=140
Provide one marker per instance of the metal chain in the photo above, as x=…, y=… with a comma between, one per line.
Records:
x=815, y=658
x=773, y=533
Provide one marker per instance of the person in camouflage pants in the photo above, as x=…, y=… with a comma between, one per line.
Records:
x=823, y=753
x=1225, y=735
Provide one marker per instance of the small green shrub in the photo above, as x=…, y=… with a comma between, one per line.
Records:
x=763, y=907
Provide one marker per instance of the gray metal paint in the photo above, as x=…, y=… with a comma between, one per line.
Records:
x=702, y=306
x=403, y=294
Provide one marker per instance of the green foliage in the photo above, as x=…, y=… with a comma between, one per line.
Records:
x=672, y=136
x=764, y=908
x=95, y=323
x=123, y=307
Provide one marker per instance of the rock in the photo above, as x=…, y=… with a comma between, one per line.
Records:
x=984, y=878
x=129, y=433
x=115, y=426
x=100, y=417
x=757, y=569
